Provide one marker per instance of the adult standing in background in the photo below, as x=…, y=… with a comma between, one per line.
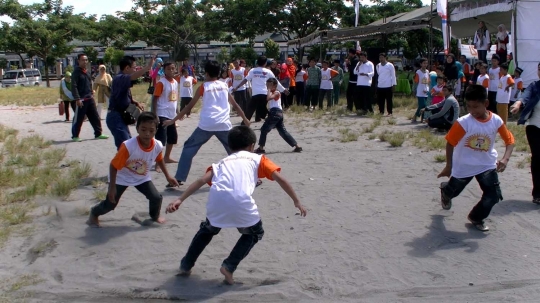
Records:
x=275, y=69
x=336, y=82
x=386, y=84
x=81, y=88
x=502, y=43
x=350, y=65
x=237, y=75
x=102, y=88
x=291, y=67
x=66, y=96
x=482, y=41
x=451, y=70
x=365, y=72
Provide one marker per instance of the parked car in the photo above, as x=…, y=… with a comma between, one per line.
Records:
x=22, y=77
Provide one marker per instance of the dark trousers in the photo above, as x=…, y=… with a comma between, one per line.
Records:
x=533, y=137
x=482, y=55
x=439, y=123
x=312, y=95
x=67, y=104
x=147, y=189
x=290, y=97
x=118, y=128
x=89, y=110
x=250, y=236
x=275, y=120
x=503, y=55
x=492, y=97
x=325, y=93
x=385, y=97
x=241, y=98
x=351, y=99
x=300, y=93
x=257, y=106
x=184, y=101
x=166, y=134
x=363, y=98
x=491, y=192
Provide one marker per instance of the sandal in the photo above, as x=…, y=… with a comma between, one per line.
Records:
x=260, y=151
x=259, y=183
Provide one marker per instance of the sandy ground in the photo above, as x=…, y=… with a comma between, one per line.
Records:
x=375, y=231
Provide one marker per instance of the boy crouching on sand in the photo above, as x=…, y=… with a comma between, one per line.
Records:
x=131, y=167
x=230, y=202
x=470, y=153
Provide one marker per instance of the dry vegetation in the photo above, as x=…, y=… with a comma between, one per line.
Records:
x=29, y=96
x=30, y=167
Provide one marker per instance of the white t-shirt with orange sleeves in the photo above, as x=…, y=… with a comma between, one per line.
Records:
x=186, y=86
x=473, y=142
x=326, y=78
x=422, y=78
x=518, y=89
x=230, y=201
x=237, y=75
x=301, y=76
x=167, y=93
x=133, y=162
x=483, y=80
x=503, y=96
x=276, y=102
x=494, y=76
x=215, y=109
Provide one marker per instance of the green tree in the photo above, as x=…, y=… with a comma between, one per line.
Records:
x=113, y=56
x=237, y=53
x=117, y=32
x=223, y=56
x=91, y=53
x=250, y=55
x=271, y=49
x=14, y=40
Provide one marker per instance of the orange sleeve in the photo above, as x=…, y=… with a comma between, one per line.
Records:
x=159, y=157
x=485, y=83
x=520, y=85
x=210, y=168
x=506, y=135
x=510, y=81
x=333, y=73
x=416, y=78
x=194, y=80
x=433, y=91
x=158, y=89
x=455, y=134
x=267, y=168
x=305, y=77
x=122, y=155
x=201, y=90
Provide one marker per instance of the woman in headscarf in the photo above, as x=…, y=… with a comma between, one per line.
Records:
x=502, y=42
x=102, y=88
x=451, y=70
x=66, y=95
x=292, y=84
x=482, y=41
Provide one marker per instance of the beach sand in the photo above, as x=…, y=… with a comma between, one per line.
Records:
x=375, y=230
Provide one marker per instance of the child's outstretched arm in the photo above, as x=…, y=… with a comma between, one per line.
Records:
x=172, y=181
x=193, y=187
x=290, y=191
x=508, y=138
x=238, y=109
x=186, y=109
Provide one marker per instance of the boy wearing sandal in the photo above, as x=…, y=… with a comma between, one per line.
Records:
x=470, y=153
x=230, y=202
x=275, y=119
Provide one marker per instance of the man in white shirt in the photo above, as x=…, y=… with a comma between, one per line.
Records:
x=258, y=77
x=386, y=84
x=365, y=72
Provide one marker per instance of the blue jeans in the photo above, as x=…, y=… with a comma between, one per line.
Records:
x=491, y=192
x=250, y=236
x=422, y=103
x=192, y=146
x=118, y=128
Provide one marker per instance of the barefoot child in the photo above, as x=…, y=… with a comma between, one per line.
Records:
x=230, y=204
x=470, y=153
x=131, y=167
x=186, y=89
x=275, y=119
x=421, y=78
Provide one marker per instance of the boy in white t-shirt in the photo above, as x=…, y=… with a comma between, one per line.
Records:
x=494, y=76
x=470, y=153
x=186, y=89
x=327, y=87
x=483, y=78
x=230, y=202
x=422, y=79
x=518, y=86
x=131, y=167
x=214, y=118
x=504, y=91
x=275, y=119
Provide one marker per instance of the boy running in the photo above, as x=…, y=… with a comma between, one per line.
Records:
x=131, y=167
x=470, y=153
x=230, y=202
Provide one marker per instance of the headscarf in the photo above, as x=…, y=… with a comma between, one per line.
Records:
x=103, y=78
x=451, y=71
x=292, y=71
x=158, y=72
x=481, y=34
x=501, y=36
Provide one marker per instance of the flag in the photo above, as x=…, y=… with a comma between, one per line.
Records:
x=356, y=11
x=442, y=10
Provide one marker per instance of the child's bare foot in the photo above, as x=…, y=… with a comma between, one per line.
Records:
x=160, y=220
x=170, y=161
x=158, y=169
x=228, y=276
x=93, y=221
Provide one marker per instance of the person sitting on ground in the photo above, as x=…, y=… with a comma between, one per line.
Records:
x=230, y=202
x=444, y=114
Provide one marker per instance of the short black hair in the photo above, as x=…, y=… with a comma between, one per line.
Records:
x=212, y=68
x=440, y=67
x=476, y=93
x=126, y=61
x=363, y=54
x=325, y=62
x=441, y=77
x=504, y=66
x=167, y=64
x=147, y=117
x=241, y=137
x=496, y=57
x=312, y=59
x=184, y=70
x=262, y=60
x=337, y=61
x=484, y=65
x=448, y=87
x=382, y=55
x=80, y=55
x=422, y=60
x=272, y=80
x=352, y=51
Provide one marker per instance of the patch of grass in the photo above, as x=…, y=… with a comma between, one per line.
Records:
x=100, y=194
x=405, y=103
x=347, y=135
x=425, y=139
x=526, y=162
x=370, y=128
x=392, y=121
x=6, y=132
x=439, y=158
x=26, y=96
x=372, y=136
x=397, y=139
x=15, y=214
x=385, y=135
x=522, y=145
x=24, y=281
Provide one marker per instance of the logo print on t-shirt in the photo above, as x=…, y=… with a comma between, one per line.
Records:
x=187, y=84
x=137, y=166
x=478, y=142
x=238, y=77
